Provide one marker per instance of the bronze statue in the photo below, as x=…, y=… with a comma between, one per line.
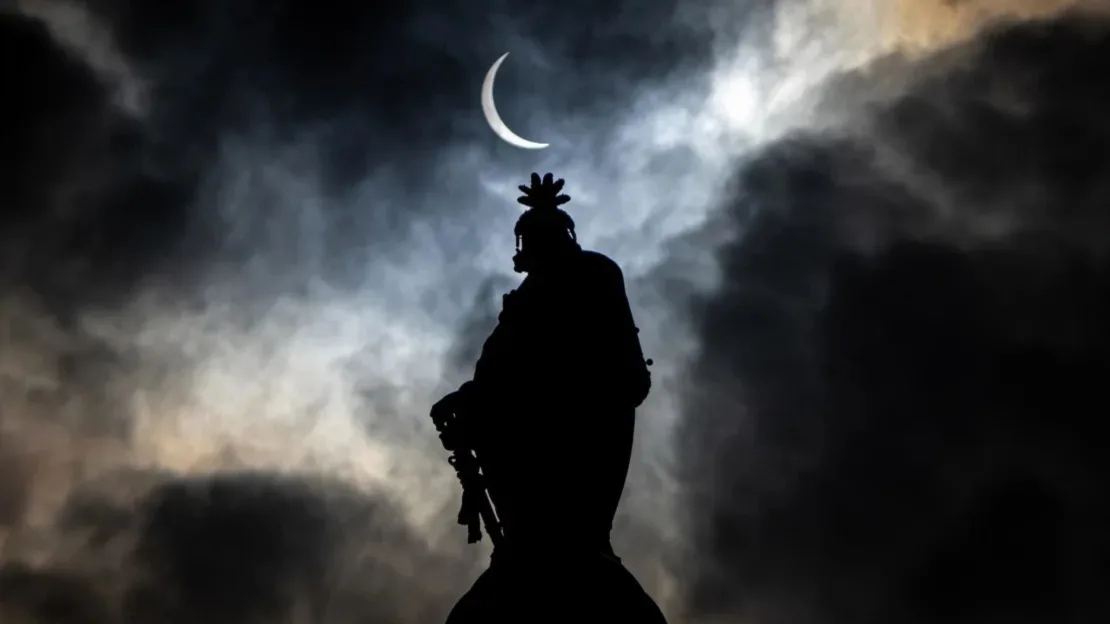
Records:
x=545, y=428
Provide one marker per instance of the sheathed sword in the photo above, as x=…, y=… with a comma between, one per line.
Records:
x=476, y=508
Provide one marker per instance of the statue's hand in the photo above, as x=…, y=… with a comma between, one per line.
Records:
x=451, y=438
x=445, y=409
x=446, y=415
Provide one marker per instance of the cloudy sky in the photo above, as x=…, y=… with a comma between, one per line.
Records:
x=244, y=246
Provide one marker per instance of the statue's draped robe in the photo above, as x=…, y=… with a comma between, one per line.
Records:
x=559, y=380
x=555, y=392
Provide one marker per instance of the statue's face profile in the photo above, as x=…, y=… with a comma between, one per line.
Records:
x=541, y=248
x=544, y=235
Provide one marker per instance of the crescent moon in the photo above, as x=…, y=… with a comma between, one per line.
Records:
x=494, y=119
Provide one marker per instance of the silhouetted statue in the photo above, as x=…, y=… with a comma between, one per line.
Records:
x=546, y=427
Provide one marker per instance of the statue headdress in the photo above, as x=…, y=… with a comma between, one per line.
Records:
x=543, y=214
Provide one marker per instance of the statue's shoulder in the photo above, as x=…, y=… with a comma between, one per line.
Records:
x=515, y=299
x=601, y=267
x=509, y=299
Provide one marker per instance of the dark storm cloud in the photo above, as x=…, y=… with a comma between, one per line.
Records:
x=393, y=82
x=900, y=389
x=228, y=547
x=235, y=548
x=364, y=90
x=31, y=596
x=81, y=220
x=14, y=477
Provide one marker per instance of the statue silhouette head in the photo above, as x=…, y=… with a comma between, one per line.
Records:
x=544, y=233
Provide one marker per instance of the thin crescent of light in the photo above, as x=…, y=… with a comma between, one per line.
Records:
x=494, y=119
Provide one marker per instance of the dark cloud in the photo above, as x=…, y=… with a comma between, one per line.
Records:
x=392, y=82
x=236, y=547
x=14, y=486
x=104, y=200
x=82, y=220
x=30, y=596
x=81, y=224
x=899, y=394
x=233, y=548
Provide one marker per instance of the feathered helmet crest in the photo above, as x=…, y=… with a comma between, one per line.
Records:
x=543, y=216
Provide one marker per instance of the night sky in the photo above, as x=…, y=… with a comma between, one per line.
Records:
x=245, y=245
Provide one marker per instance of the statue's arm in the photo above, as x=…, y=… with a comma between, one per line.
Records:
x=464, y=405
x=491, y=358
x=494, y=360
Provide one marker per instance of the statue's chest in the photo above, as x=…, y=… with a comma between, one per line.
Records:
x=537, y=307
